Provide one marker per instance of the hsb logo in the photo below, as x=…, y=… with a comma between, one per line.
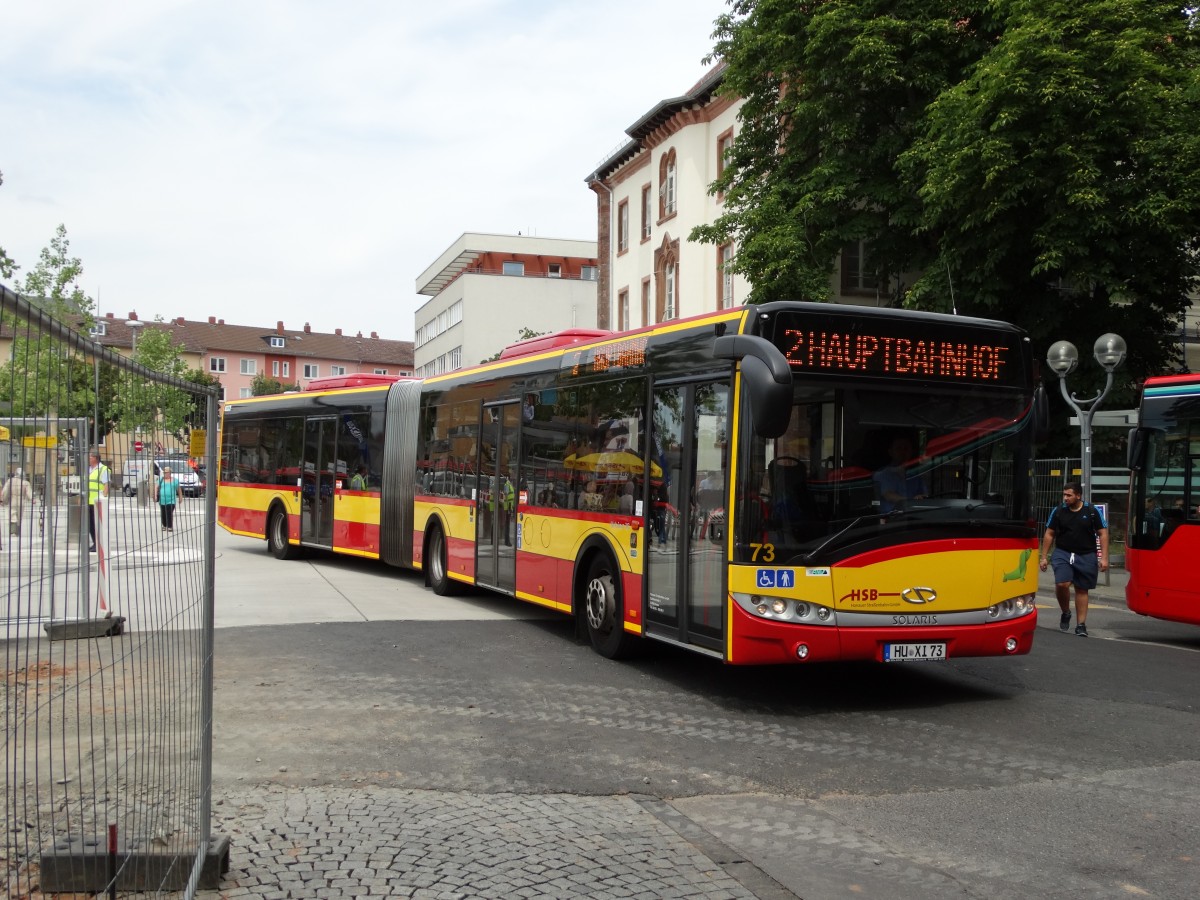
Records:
x=866, y=595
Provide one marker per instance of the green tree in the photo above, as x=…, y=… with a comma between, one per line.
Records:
x=1034, y=160
x=54, y=281
x=147, y=404
x=264, y=384
x=39, y=378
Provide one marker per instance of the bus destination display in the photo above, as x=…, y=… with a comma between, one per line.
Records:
x=941, y=354
x=626, y=354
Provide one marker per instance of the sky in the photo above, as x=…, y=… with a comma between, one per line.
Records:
x=306, y=161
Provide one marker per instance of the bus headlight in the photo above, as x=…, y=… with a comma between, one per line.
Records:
x=1012, y=608
x=784, y=609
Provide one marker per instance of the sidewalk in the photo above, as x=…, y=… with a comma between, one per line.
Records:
x=1110, y=589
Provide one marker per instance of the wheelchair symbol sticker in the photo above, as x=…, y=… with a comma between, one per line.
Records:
x=775, y=578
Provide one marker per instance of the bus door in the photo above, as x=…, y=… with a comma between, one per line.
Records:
x=318, y=476
x=686, y=540
x=496, y=505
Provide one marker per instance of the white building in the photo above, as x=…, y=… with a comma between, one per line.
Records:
x=653, y=191
x=650, y=194
x=485, y=288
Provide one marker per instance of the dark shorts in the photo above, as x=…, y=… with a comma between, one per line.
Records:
x=1081, y=569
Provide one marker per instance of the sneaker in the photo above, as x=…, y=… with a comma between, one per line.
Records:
x=1081, y=630
x=1064, y=622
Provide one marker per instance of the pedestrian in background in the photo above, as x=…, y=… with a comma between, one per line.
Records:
x=167, y=494
x=98, y=479
x=1075, y=529
x=16, y=495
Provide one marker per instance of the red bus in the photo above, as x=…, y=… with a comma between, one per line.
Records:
x=788, y=482
x=1163, y=539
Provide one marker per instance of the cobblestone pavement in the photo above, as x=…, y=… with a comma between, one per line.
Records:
x=372, y=743
x=383, y=842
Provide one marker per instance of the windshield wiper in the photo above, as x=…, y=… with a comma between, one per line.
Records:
x=854, y=523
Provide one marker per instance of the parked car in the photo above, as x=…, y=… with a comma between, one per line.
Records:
x=191, y=482
x=132, y=475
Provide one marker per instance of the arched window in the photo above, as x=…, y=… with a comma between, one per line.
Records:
x=667, y=185
x=724, y=276
x=666, y=277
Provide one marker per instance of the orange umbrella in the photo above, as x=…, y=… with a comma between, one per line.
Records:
x=612, y=462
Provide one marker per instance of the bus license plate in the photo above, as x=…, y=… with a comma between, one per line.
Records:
x=914, y=652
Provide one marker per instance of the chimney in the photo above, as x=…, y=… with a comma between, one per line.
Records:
x=359, y=334
x=212, y=320
x=179, y=321
x=132, y=316
x=109, y=316
x=307, y=328
x=338, y=332
x=374, y=335
x=279, y=327
x=220, y=321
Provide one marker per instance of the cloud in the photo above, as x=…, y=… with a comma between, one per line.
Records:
x=305, y=161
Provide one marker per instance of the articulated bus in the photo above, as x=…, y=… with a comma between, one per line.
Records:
x=1163, y=539
x=726, y=483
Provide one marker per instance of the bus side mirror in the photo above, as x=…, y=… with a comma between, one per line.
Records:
x=768, y=380
x=1135, y=449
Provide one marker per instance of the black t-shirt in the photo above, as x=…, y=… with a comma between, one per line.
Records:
x=1076, y=531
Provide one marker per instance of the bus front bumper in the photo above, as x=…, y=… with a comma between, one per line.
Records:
x=761, y=641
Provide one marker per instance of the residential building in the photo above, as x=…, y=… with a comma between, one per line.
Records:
x=235, y=354
x=654, y=190
x=485, y=288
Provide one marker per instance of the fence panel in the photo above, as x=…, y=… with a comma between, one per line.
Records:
x=107, y=652
x=1110, y=485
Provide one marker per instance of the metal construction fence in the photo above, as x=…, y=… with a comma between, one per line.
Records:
x=107, y=652
x=1110, y=486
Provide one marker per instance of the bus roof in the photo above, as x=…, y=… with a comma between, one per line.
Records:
x=1171, y=380
x=544, y=342
x=362, y=379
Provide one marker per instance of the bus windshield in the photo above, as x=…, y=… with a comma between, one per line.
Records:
x=1167, y=478
x=1162, y=539
x=863, y=467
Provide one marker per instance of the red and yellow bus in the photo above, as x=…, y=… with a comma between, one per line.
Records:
x=1163, y=539
x=788, y=482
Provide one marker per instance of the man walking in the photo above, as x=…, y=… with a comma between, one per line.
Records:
x=1074, y=528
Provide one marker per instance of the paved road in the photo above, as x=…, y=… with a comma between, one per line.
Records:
x=373, y=739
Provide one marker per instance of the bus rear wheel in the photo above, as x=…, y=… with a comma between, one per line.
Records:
x=277, y=535
x=603, y=609
x=438, y=561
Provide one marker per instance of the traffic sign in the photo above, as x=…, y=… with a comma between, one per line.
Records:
x=138, y=446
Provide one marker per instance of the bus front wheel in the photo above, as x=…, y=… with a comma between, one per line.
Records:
x=438, y=560
x=603, y=609
x=277, y=535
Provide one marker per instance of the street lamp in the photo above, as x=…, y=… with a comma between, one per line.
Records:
x=1063, y=359
x=133, y=325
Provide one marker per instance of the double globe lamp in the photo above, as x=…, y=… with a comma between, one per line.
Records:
x=1063, y=358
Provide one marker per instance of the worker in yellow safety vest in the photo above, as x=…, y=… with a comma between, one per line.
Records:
x=509, y=500
x=98, y=476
